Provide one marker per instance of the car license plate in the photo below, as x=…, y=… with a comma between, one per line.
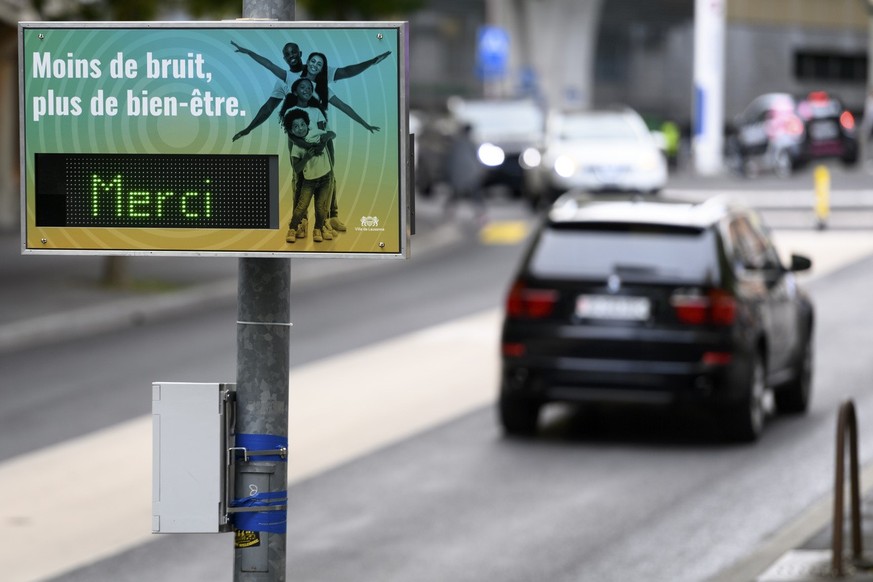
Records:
x=612, y=307
x=609, y=174
x=821, y=130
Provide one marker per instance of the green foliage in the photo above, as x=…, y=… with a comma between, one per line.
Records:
x=140, y=10
x=358, y=9
x=101, y=10
x=216, y=9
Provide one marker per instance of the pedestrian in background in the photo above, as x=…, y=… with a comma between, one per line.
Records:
x=465, y=173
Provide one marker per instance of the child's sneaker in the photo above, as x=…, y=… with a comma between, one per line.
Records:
x=291, y=236
x=316, y=235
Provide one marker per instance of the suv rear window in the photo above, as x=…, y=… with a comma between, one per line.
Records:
x=642, y=253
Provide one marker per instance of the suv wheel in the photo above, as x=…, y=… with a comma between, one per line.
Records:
x=794, y=396
x=519, y=416
x=744, y=421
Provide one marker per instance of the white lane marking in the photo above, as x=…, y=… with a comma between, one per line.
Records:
x=97, y=501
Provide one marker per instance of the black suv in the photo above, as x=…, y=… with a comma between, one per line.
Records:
x=655, y=303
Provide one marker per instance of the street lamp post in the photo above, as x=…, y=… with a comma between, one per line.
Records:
x=263, y=364
x=709, y=73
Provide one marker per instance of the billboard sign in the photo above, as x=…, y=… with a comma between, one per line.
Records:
x=245, y=138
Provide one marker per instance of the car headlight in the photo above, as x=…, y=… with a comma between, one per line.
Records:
x=491, y=155
x=565, y=166
x=530, y=158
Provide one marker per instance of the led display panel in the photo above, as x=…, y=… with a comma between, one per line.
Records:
x=156, y=191
x=249, y=138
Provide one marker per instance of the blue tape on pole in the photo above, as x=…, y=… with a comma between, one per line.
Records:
x=269, y=520
x=263, y=442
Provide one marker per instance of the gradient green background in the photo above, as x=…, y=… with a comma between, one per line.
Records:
x=368, y=165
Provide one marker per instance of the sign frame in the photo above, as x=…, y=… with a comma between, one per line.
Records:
x=377, y=172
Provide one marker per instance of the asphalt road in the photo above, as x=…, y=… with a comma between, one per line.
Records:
x=623, y=495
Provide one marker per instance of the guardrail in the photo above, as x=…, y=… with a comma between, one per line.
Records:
x=847, y=423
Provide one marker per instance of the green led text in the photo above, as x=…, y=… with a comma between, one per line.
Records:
x=109, y=198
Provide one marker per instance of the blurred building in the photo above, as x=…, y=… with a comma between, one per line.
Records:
x=442, y=51
x=598, y=52
x=796, y=46
x=577, y=52
x=645, y=56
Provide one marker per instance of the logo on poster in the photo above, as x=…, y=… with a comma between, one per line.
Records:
x=370, y=224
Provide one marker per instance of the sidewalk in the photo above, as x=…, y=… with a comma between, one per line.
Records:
x=802, y=550
x=48, y=298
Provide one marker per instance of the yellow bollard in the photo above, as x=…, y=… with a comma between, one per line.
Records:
x=822, y=177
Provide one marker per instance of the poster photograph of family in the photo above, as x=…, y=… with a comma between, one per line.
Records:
x=325, y=101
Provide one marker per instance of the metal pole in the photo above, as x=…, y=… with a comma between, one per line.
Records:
x=709, y=76
x=846, y=423
x=263, y=365
x=867, y=119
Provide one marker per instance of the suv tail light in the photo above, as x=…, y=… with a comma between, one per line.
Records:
x=524, y=302
x=715, y=306
x=847, y=120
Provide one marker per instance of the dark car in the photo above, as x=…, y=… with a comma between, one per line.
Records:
x=502, y=130
x=660, y=303
x=778, y=132
x=830, y=128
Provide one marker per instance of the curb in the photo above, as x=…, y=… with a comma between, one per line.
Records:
x=759, y=565
x=129, y=312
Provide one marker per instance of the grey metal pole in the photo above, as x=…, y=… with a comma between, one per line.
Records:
x=275, y=9
x=710, y=21
x=866, y=125
x=263, y=366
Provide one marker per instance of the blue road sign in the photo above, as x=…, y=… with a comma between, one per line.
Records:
x=492, y=51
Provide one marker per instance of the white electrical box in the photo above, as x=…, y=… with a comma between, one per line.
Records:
x=189, y=457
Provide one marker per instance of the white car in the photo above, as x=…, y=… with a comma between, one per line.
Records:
x=596, y=151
